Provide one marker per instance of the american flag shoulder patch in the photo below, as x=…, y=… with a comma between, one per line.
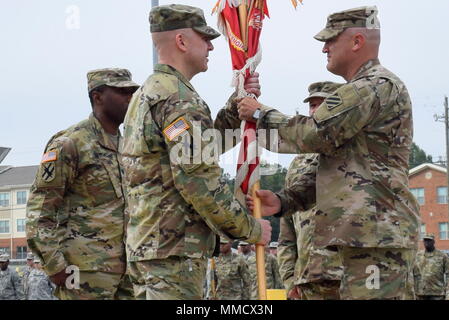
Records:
x=176, y=128
x=50, y=156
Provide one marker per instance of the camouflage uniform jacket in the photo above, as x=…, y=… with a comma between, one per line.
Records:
x=26, y=273
x=176, y=206
x=76, y=212
x=233, y=278
x=10, y=285
x=272, y=275
x=431, y=273
x=363, y=133
x=247, y=256
x=299, y=261
x=39, y=286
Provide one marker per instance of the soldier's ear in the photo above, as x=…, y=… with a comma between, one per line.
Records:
x=181, y=41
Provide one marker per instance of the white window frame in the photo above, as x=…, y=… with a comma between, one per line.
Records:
x=24, y=224
x=441, y=199
x=446, y=236
x=9, y=199
x=9, y=226
x=17, y=197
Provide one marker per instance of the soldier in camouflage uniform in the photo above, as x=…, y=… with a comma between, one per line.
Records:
x=231, y=274
x=273, y=278
x=26, y=272
x=10, y=285
x=308, y=273
x=39, y=286
x=246, y=250
x=177, y=205
x=363, y=135
x=431, y=272
x=75, y=212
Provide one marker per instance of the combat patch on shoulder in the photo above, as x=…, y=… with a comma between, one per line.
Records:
x=50, y=156
x=333, y=101
x=176, y=128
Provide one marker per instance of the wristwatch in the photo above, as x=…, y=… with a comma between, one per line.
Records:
x=256, y=114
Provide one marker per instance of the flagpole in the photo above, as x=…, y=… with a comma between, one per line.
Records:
x=154, y=3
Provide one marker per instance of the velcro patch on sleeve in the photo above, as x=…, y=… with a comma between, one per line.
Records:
x=333, y=101
x=176, y=128
x=50, y=156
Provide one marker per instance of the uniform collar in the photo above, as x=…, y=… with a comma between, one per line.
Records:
x=103, y=138
x=366, y=69
x=165, y=68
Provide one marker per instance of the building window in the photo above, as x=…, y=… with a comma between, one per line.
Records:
x=21, y=253
x=443, y=231
x=442, y=194
x=5, y=251
x=4, y=226
x=20, y=225
x=4, y=199
x=422, y=231
x=419, y=194
x=21, y=197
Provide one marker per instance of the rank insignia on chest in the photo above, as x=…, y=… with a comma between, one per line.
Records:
x=176, y=128
x=333, y=101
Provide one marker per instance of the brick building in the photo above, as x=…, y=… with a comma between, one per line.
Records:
x=15, y=183
x=428, y=182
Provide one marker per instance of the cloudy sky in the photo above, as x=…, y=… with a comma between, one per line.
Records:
x=48, y=46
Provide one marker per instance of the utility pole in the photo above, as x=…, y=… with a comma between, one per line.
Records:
x=154, y=3
x=445, y=118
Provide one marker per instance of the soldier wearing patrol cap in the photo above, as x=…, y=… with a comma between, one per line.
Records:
x=363, y=134
x=246, y=250
x=431, y=272
x=39, y=286
x=178, y=203
x=231, y=274
x=26, y=272
x=308, y=273
x=10, y=284
x=75, y=213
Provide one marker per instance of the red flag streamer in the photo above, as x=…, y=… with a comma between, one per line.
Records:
x=241, y=21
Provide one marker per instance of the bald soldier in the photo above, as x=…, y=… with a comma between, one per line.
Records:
x=431, y=272
x=363, y=134
x=178, y=203
x=75, y=213
x=308, y=273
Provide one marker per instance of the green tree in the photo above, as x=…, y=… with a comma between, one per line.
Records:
x=418, y=156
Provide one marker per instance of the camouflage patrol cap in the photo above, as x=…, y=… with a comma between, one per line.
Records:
x=429, y=236
x=179, y=16
x=113, y=77
x=322, y=89
x=362, y=17
x=37, y=260
x=4, y=258
x=243, y=243
x=30, y=256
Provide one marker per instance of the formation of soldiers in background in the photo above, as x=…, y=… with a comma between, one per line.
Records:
x=139, y=225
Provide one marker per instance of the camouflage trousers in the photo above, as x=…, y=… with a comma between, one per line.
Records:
x=418, y=297
x=99, y=286
x=320, y=290
x=173, y=278
x=377, y=273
